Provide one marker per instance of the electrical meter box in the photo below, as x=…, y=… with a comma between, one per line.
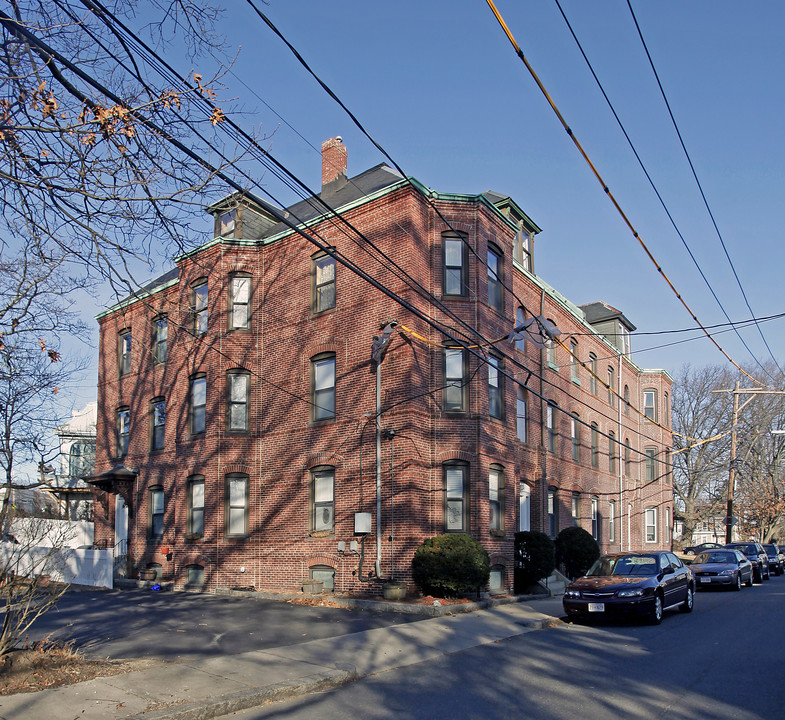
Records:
x=362, y=523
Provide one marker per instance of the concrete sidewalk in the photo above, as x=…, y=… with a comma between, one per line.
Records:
x=208, y=688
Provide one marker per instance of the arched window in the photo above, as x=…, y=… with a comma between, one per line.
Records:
x=239, y=301
x=520, y=316
x=495, y=289
x=575, y=435
x=323, y=387
x=496, y=498
x=520, y=413
x=195, y=506
x=156, y=512
x=238, y=384
x=456, y=496
x=650, y=404
x=322, y=499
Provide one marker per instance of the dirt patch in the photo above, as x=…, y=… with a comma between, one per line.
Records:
x=46, y=665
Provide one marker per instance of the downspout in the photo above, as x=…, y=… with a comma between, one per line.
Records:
x=378, y=565
x=543, y=411
x=620, y=467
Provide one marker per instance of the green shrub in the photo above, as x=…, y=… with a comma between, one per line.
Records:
x=534, y=558
x=577, y=549
x=449, y=565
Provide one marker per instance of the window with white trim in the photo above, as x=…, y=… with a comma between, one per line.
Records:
x=496, y=497
x=495, y=388
x=160, y=339
x=237, y=397
x=650, y=404
x=323, y=499
x=195, y=507
x=456, y=481
x=239, y=302
x=455, y=389
x=236, y=505
x=495, y=289
x=323, y=387
x=520, y=413
x=156, y=526
x=455, y=266
x=650, y=529
x=199, y=307
x=323, y=283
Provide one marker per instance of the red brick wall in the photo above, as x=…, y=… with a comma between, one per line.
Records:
x=283, y=445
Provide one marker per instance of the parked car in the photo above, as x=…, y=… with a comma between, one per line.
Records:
x=724, y=567
x=757, y=556
x=776, y=558
x=695, y=549
x=642, y=584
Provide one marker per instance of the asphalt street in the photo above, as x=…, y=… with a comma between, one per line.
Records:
x=178, y=626
x=722, y=662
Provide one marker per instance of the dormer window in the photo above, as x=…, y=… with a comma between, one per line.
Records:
x=227, y=222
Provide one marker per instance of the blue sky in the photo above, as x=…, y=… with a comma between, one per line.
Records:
x=439, y=86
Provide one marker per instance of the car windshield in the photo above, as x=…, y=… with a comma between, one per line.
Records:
x=714, y=557
x=626, y=565
x=747, y=549
x=770, y=549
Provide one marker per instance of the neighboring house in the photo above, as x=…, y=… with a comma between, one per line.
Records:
x=236, y=435
x=77, y=462
x=706, y=531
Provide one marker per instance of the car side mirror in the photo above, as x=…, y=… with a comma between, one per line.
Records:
x=669, y=570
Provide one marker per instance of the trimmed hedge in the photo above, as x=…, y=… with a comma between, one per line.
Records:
x=535, y=558
x=577, y=549
x=450, y=565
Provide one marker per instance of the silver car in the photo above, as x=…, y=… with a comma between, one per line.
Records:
x=725, y=567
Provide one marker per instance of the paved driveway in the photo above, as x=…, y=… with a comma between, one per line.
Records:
x=176, y=626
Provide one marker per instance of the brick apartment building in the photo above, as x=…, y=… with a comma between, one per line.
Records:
x=237, y=439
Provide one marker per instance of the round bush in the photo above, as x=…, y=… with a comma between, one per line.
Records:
x=449, y=565
x=534, y=558
x=577, y=549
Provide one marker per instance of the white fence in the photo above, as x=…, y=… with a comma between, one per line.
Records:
x=55, y=548
x=82, y=567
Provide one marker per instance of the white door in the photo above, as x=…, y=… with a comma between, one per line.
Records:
x=120, y=526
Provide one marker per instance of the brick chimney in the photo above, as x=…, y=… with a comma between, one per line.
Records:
x=334, y=161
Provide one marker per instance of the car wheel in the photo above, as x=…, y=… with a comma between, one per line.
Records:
x=656, y=612
x=689, y=601
x=737, y=585
x=758, y=576
x=750, y=581
x=767, y=576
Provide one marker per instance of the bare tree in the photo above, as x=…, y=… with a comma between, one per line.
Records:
x=760, y=486
x=99, y=137
x=701, y=423
x=34, y=573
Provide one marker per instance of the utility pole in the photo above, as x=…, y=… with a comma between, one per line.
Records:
x=729, y=519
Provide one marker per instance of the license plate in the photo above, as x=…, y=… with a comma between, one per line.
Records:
x=596, y=607
x=706, y=580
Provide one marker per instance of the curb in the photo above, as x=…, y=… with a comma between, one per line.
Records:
x=246, y=699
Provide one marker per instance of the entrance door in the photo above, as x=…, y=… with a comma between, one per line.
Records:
x=120, y=527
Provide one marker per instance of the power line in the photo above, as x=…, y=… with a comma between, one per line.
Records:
x=605, y=187
x=651, y=182
x=281, y=216
x=700, y=188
